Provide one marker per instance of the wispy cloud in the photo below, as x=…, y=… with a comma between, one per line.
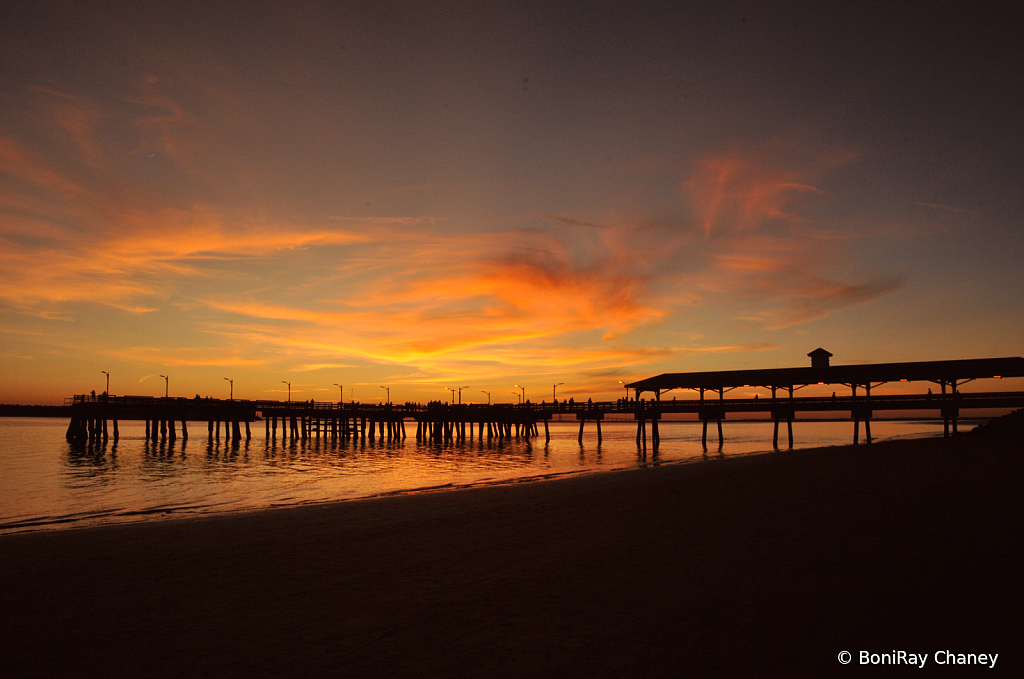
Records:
x=939, y=206
x=330, y=292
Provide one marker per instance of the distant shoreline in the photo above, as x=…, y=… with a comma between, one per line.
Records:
x=17, y=410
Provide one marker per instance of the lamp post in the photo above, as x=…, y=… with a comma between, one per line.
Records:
x=289, y=390
x=516, y=394
x=626, y=388
x=488, y=396
x=453, y=394
x=167, y=385
x=388, y=389
x=107, y=392
x=553, y=387
x=460, y=394
x=523, y=400
x=341, y=393
x=232, y=383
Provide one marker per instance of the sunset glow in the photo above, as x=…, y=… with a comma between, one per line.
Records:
x=489, y=198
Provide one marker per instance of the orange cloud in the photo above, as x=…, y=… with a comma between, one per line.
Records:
x=327, y=291
x=771, y=252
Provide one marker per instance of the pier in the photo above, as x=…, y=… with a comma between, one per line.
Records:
x=97, y=417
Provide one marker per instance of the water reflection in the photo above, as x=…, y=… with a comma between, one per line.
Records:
x=96, y=459
x=42, y=476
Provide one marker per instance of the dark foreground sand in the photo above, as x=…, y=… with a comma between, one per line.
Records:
x=768, y=565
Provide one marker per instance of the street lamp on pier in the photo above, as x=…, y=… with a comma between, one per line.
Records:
x=488, y=396
x=453, y=394
x=341, y=393
x=232, y=383
x=516, y=394
x=388, y=389
x=167, y=385
x=289, y=390
x=553, y=387
x=107, y=392
x=523, y=399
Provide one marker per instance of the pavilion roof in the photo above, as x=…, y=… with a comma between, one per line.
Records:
x=868, y=373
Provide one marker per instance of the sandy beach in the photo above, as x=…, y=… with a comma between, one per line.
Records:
x=768, y=564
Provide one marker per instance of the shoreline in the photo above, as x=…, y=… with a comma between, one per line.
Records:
x=778, y=560
x=90, y=519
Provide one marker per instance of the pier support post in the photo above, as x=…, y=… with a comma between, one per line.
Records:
x=599, y=432
x=184, y=430
x=116, y=433
x=580, y=438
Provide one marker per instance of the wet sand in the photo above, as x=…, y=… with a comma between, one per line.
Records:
x=769, y=564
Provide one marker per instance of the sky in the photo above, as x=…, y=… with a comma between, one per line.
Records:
x=427, y=195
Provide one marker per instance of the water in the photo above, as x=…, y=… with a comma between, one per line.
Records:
x=46, y=483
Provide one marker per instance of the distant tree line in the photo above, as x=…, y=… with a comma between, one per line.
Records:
x=7, y=410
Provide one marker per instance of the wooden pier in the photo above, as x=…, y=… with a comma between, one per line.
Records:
x=96, y=417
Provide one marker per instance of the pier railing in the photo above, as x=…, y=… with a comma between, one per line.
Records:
x=90, y=413
x=963, y=400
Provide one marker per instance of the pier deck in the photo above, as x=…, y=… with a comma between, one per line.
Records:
x=98, y=417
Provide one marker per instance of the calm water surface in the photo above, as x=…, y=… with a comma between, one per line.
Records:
x=46, y=483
